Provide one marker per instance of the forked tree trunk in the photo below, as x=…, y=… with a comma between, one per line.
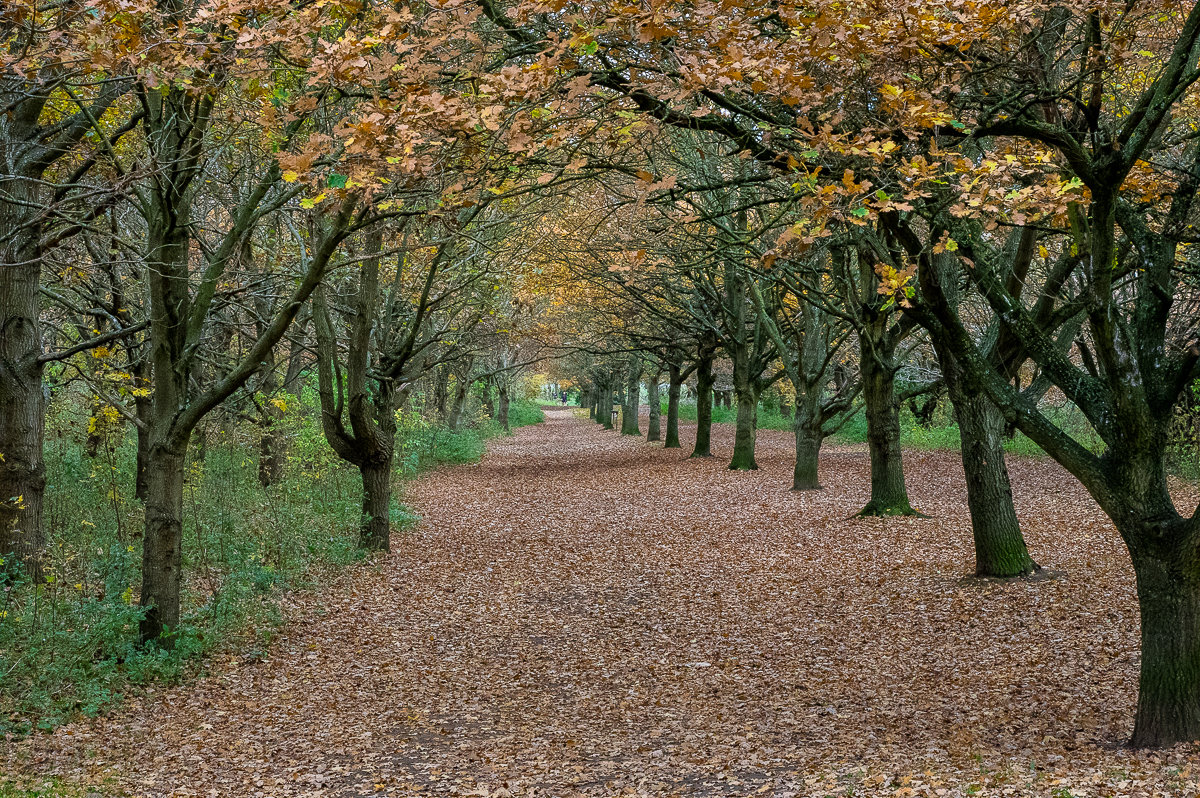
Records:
x=1168, y=709
x=889, y=495
x=654, y=428
x=162, y=546
x=673, y=389
x=704, y=403
x=375, y=531
x=999, y=545
x=746, y=430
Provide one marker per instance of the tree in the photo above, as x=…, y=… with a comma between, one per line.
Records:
x=54, y=98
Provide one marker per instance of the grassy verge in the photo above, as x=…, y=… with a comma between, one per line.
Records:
x=68, y=641
x=943, y=433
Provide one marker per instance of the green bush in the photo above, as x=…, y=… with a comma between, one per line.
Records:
x=524, y=413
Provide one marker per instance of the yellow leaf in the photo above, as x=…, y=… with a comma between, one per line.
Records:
x=290, y=176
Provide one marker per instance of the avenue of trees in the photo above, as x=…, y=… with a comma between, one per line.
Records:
x=822, y=209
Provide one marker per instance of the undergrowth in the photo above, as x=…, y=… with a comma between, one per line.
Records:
x=68, y=639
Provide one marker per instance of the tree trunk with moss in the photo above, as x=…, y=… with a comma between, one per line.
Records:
x=806, y=425
x=889, y=495
x=1000, y=548
x=746, y=430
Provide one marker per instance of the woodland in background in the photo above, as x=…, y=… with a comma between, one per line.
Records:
x=291, y=242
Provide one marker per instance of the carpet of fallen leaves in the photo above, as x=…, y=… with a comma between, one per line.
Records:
x=586, y=614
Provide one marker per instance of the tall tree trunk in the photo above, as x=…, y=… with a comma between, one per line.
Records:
x=1168, y=709
x=633, y=399
x=809, y=436
x=889, y=496
x=27, y=149
x=704, y=402
x=296, y=354
x=746, y=430
x=503, y=403
x=589, y=397
x=271, y=455
x=167, y=259
x=457, y=406
x=142, y=408
x=654, y=428
x=162, y=545
x=606, y=408
x=1000, y=549
x=22, y=402
x=375, y=531
x=489, y=400
x=673, y=389
x=999, y=545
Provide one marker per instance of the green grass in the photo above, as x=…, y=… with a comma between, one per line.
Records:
x=50, y=788
x=943, y=434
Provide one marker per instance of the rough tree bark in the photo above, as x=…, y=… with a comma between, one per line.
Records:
x=503, y=403
x=745, y=437
x=654, y=427
x=606, y=404
x=22, y=403
x=674, y=386
x=889, y=494
x=704, y=403
x=806, y=425
x=633, y=398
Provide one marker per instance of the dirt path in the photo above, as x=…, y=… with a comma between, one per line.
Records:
x=585, y=613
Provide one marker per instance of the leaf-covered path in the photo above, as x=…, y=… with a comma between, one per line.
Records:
x=585, y=613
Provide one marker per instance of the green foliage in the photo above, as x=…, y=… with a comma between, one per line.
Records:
x=524, y=413
x=1183, y=445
